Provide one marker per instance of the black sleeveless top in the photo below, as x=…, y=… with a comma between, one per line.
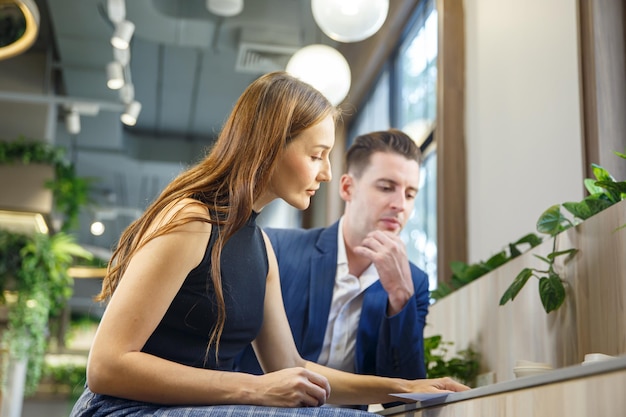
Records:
x=183, y=334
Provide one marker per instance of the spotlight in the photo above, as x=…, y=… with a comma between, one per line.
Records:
x=226, y=8
x=72, y=122
x=129, y=117
x=97, y=228
x=115, y=75
x=116, y=9
x=127, y=93
x=122, y=56
x=123, y=33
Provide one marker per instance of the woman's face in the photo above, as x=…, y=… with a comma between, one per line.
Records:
x=304, y=165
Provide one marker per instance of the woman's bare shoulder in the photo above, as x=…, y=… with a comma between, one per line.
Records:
x=192, y=215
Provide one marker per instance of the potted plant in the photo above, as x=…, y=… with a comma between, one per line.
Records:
x=34, y=284
x=464, y=367
x=34, y=278
x=604, y=191
x=70, y=192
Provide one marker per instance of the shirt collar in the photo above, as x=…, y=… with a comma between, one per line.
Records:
x=342, y=258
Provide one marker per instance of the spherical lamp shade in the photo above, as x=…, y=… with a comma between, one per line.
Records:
x=324, y=68
x=349, y=20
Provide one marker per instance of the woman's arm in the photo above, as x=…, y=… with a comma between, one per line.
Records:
x=116, y=364
x=276, y=350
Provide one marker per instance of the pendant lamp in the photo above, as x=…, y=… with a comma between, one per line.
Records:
x=349, y=20
x=324, y=68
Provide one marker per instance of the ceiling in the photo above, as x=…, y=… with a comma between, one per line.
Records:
x=184, y=60
x=187, y=66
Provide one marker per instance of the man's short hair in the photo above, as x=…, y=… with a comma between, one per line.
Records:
x=389, y=141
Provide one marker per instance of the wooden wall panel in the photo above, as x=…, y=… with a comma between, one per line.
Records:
x=591, y=319
x=603, y=64
x=450, y=139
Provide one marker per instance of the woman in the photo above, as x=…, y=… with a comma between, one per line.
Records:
x=194, y=280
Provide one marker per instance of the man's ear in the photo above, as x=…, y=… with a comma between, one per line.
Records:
x=346, y=183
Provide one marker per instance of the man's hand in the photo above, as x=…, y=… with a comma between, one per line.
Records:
x=436, y=385
x=387, y=252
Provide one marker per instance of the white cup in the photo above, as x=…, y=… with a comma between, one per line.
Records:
x=596, y=357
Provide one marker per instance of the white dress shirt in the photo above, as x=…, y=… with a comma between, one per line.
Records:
x=345, y=311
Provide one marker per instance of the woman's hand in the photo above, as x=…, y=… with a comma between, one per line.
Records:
x=435, y=385
x=293, y=387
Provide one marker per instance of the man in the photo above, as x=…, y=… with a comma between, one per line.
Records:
x=353, y=300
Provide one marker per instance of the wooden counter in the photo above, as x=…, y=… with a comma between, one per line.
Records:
x=591, y=390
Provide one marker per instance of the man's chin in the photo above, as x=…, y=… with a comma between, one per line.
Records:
x=390, y=227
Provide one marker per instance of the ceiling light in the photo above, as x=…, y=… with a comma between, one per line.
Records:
x=116, y=10
x=226, y=8
x=122, y=56
x=127, y=93
x=129, y=117
x=115, y=75
x=20, y=26
x=123, y=33
x=84, y=108
x=324, y=68
x=349, y=20
x=97, y=228
x=72, y=122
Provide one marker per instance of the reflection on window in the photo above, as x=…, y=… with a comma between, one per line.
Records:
x=374, y=115
x=420, y=232
x=405, y=96
x=417, y=72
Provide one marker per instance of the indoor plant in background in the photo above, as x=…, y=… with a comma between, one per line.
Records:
x=70, y=192
x=34, y=279
x=463, y=367
x=34, y=284
x=604, y=191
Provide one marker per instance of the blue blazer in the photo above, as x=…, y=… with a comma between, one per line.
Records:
x=385, y=346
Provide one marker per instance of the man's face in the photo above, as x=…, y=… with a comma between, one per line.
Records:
x=383, y=197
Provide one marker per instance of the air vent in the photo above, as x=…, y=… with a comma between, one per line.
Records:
x=257, y=58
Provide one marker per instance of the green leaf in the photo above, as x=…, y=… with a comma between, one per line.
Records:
x=441, y=291
x=588, y=207
x=550, y=221
x=546, y=260
x=570, y=252
x=496, y=260
x=580, y=209
x=551, y=292
x=464, y=273
x=531, y=238
x=601, y=174
x=514, y=251
x=614, y=190
x=475, y=271
x=458, y=268
x=621, y=155
x=516, y=286
x=590, y=185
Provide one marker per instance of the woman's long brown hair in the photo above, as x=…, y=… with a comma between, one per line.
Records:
x=270, y=113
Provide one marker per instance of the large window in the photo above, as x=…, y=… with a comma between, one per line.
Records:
x=405, y=97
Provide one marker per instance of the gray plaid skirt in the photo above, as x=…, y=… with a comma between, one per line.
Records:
x=96, y=405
